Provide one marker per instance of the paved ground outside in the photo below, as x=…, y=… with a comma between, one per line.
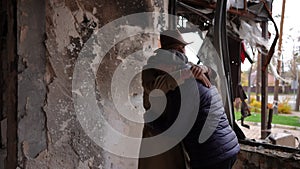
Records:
x=255, y=129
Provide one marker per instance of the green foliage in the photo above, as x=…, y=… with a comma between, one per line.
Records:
x=284, y=108
x=244, y=78
x=255, y=106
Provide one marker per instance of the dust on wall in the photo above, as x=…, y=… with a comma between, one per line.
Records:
x=51, y=35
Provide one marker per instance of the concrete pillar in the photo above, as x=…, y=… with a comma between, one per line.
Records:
x=50, y=37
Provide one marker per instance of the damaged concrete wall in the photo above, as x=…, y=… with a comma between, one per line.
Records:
x=251, y=157
x=50, y=38
x=51, y=35
x=31, y=84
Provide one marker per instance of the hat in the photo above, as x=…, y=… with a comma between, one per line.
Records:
x=171, y=37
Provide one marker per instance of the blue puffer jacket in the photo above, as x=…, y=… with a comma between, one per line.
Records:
x=211, y=140
x=197, y=103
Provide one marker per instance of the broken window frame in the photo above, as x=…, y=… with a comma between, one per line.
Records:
x=220, y=42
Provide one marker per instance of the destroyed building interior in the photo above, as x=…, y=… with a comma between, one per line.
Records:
x=40, y=49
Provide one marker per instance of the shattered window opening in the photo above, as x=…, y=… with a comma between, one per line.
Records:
x=238, y=18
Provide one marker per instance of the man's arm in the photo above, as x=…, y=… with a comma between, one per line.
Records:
x=157, y=79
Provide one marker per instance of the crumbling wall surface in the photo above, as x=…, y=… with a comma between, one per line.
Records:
x=51, y=35
x=49, y=131
x=31, y=85
x=251, y=157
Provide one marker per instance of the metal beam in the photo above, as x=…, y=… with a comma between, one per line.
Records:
x=172, y=11
x=264, y=86
x=221, y=45
x=204, y=4
x=276, y=88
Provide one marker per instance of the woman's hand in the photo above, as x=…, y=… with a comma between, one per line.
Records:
x=199, y=73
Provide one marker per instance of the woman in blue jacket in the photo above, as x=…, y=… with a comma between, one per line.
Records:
x=210, y=143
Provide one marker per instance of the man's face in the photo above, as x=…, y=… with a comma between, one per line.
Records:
x=182, y=48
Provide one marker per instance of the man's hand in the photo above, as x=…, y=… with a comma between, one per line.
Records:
x=199, y=73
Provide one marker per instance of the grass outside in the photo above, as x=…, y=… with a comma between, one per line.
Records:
x=277, y=119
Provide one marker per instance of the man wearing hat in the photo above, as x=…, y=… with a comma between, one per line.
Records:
x=170, y=59
x=169, y=70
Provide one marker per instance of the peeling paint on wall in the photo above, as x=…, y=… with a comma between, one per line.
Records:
x=69, y=24
x=31, y=86
x=49, y=42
